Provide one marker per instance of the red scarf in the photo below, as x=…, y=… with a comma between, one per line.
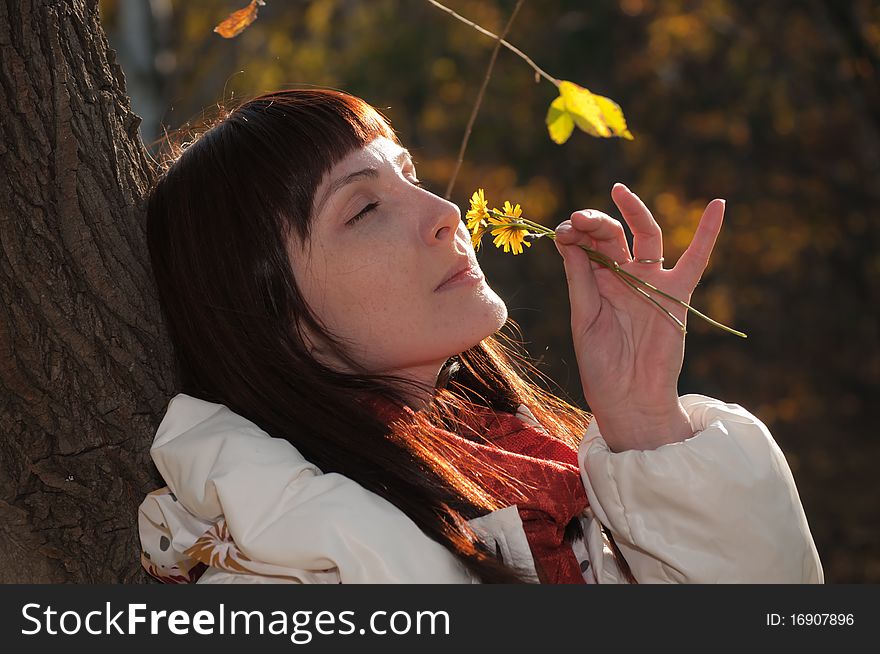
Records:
x=548, y=465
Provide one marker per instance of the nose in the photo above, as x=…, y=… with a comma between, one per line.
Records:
x=447, y=218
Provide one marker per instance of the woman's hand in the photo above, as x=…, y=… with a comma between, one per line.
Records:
x=629, y=352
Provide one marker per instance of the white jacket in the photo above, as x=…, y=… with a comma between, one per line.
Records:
x=719, y=507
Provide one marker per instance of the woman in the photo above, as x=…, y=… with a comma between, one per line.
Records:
x=350, y=413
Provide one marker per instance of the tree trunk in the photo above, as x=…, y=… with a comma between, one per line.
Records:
x=85, y=364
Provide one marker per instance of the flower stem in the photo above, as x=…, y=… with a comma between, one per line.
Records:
x=659, y=306
x=684, y=304
x=625, y=276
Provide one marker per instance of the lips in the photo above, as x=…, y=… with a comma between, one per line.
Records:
x=461, y=266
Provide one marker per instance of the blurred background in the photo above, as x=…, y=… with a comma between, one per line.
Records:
x=774, y=106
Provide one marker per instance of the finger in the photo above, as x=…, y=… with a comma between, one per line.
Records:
x=583, y=293
x=647, y=236
x=598, y=231
x=693, y=262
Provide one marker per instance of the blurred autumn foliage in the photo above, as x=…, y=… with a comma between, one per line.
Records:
x=774, y=106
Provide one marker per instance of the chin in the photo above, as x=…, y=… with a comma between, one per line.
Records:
x=479, y=318
x=496, y=309
x=501, y=317
x=489, y=322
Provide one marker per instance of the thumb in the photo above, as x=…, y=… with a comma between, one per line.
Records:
x=583, y=293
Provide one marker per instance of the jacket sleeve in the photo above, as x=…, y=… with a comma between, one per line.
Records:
x=719, y=507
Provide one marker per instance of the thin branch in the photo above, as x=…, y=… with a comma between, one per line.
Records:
x=507, y=45
x=479, y=101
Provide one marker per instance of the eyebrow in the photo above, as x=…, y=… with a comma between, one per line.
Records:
x=372, y=173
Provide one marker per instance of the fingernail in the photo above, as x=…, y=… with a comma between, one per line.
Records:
x=563, y=228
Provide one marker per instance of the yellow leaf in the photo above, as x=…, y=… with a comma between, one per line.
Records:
x=237, y=21
x=594, y=114
x=584, y=109
x=559, y=122
x=613, y=115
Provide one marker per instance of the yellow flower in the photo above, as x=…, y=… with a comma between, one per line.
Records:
x=511, y=237
x=476, y=238
x=511, y=214
x=480, y=220
x=478, y=212
x=512, y=211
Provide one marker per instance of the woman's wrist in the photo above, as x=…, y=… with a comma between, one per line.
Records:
x=644, y=428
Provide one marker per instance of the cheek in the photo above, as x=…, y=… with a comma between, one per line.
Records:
x=361, y=292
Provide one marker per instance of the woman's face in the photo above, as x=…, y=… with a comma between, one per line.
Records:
x=380, y=246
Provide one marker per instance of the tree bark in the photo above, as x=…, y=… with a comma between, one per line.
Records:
x=85, y=363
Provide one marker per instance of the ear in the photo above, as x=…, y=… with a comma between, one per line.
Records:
x=314, y=344
x=321, y=350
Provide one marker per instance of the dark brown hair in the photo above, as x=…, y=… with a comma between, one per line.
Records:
x=218, y=220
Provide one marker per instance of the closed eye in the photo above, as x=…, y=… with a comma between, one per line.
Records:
x=370, y=207
x=367, y=209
